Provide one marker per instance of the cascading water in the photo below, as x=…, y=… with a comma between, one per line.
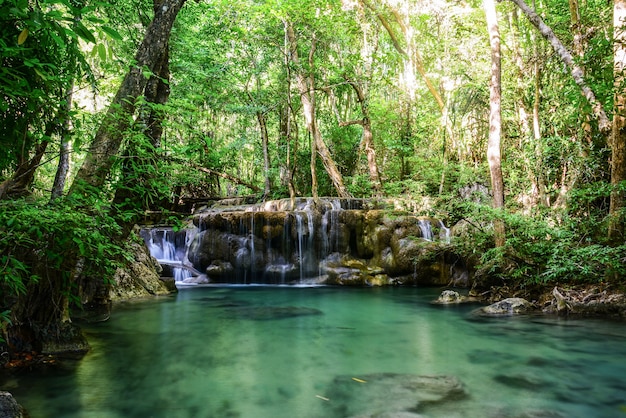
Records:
x=444, y=233
x=170, y=250
x=426, y=228
x=311, y=242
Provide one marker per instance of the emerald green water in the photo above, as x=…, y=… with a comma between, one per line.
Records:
x=219, y=352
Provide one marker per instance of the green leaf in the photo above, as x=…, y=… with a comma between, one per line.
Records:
x=22, y=37
x=112, y=33
x=84, y=33
x=102, y=52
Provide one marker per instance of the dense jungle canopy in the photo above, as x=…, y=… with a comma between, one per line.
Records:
x=509, y=116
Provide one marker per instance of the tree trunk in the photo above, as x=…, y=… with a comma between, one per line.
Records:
x=493, y=147
x=618, y=137
x=307, y=96
x=266, y=155
x=64, y=151
x=576, y=72
x=136, y=192
x=106, y=144
x=20, y=182
x=368, y=138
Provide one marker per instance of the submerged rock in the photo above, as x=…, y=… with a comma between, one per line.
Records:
x=9, y=408
x=507, y=307
x=392, y=394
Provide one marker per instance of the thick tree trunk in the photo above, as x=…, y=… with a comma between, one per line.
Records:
x=19, y=184
x=307, y=96
x=106, y=144
x=135, y=193
x=493, y=147
x=617, y=218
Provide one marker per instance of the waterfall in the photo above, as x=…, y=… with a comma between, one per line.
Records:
x=311, y=242
x=425, y=227
x=444, y=232
x=170, y=249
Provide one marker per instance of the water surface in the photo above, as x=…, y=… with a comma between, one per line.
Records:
x=256, y=352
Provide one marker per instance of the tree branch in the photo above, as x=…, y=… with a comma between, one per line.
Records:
x=566, y=56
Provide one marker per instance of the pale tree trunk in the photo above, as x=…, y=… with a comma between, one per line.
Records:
x=522, y=109
x=64, y=151
x=367, y=141
x=266, y=155
x=106, y=144
x=262, y=120
x=493, y=147
x=307, y=96
x=618, y=137
x=566, y=56
x=288, y=127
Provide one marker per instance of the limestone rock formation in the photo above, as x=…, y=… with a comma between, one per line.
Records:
x=141, y=278
x=334, y=241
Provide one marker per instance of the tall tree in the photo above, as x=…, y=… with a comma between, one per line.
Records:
x=618, y=138
x=106, y=144
x=493, y=147
x=615, y=130
x=306, y=87
x=604, y=124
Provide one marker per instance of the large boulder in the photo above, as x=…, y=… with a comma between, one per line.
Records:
x=507, y=307
x=9, y=408
x=139, y=278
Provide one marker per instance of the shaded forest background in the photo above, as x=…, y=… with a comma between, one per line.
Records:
x=112, y=110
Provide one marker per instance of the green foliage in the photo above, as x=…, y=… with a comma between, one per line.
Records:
x=538, y=249
x=40, y=58
x=41, y=241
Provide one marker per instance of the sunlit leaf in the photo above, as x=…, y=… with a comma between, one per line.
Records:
x=84, y=33
x=112, y=33
x=102, y=52
x=22, y=37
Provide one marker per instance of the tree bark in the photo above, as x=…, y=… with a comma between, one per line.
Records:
x=136, y=192
x=64, y=151
x=617, y=218
x=565, y=55
x=368, y=138
x=106, y=144
x=493, y=147
x=307, y=96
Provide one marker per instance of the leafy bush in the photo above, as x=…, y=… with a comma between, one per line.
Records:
x=538, y=249
x=46, y=241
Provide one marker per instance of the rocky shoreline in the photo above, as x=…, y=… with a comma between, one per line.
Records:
x=579, y=301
